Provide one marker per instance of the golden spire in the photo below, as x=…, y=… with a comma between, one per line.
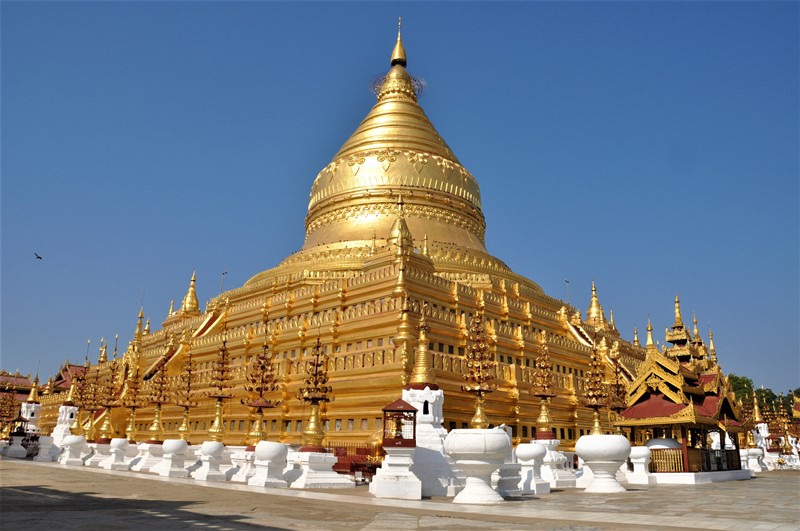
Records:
x=137, y=335
x=757, y=419
x=636, y=337
x=425, y=245
x=649, y=344
x=34, y=396
x=695, y=332
x=611, y=318
x=399, y=53
x=147, y=327
x=595, y=315
x=190, y=304
x=171, y=307
x=711, y=348
x=103, y=351
x=422, y=375
x=678, y=318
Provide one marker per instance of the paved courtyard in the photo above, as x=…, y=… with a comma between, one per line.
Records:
x=44, y=495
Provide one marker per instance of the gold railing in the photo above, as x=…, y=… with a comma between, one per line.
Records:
x=666, y=460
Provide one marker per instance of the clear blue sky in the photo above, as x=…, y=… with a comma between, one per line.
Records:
x=652, y=147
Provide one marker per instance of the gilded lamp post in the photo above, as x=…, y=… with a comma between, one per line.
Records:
x=220, y=382
x=314, y=392
x=260, y=382
x=542, y=387
x=595, y=394
x=109, y=401
x=617, y=393
x=8, y=410
x=132, y=400
x=159, y=394
x=184, y=389
x=481, y=370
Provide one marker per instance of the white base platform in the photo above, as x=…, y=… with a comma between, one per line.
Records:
x=697, y=478
x=317, y=472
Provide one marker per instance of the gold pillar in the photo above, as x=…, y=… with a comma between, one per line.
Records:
x=596, y=429
x=106, y=430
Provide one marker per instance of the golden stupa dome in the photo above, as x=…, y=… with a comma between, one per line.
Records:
x=395, y=152
x=395, y=165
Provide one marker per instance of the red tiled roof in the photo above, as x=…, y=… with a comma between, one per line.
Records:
x=707, y=405
x=707, y=378
x=654, y=406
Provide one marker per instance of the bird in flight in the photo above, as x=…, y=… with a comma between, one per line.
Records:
x=37, y=256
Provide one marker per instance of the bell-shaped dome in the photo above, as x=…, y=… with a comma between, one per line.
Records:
x=395, y=152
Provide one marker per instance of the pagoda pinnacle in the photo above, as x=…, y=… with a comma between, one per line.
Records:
x=103, y=351
x=757, y=419
x=649, y=344
x=190, y=304
x=422, y=375
x=711, y=348
x=399, y=53
x=678, y=318
x=636, y=337
x=137, y=335
x=33, y=397
x=595, y=315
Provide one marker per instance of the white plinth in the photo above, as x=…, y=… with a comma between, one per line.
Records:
x=478, y=453
x=554, y=466
x=150, y=455
x=47, y=451
x=73, y=447
x=210, y=460
x=245, y=466
x=316, y=472
x=604, y=454
x=394, y=478
x=175, y=452
x=101, y=452
x=116, y=455
x=269, y=462
x=432, y=466
x=640, y=459
x=530, y=457
x=15, y=449
x=755, y=460
x=506, y=480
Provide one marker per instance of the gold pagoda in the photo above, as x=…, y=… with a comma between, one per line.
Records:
x=394, y=235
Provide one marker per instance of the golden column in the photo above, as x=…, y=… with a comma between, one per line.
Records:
x=314, y=392
x=542, y=387
x=595, y=394
x=481, y=369
x=261, y=380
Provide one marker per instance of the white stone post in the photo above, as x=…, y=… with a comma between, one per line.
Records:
x=394, y=478
x=210, y=460
x=270, y=460
x=73, y=446
x=116, y=455
x=530, y=457
x=640, y=459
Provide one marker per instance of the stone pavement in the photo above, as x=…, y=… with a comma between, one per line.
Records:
x=45, y=495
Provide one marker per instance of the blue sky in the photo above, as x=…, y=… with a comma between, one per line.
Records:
x=652, y=147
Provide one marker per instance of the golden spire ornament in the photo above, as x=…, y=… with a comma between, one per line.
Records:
x=617, y=393
x=221, y=383
x=261, y=381
x=422, y=375
x=314, y=392
x=399, y=53
x=184, y=390
x=481, y=369
x=158, y=395
x=542, y=387
x=133, y=400
x=595, y=394
x=109, y=399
